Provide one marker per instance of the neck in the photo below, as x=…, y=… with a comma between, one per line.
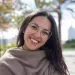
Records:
x=25, y=48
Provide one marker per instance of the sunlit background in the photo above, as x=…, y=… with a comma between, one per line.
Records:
x=13, y=12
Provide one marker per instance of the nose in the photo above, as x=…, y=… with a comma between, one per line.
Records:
x=38, y=34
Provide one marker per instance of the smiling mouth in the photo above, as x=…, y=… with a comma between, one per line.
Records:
x=34, y=41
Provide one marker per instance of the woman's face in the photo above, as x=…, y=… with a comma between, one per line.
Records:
x=37, y=33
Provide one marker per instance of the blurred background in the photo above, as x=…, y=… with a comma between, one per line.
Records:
x=13, y=12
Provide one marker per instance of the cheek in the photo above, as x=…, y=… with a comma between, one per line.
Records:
x=45, y=39
x=27, y=31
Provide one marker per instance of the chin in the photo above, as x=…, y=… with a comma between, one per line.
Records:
x=33, y=49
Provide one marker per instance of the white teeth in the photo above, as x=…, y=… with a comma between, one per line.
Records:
x=34, y=41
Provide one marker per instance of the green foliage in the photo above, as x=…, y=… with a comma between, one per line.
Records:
x=18, y=20
x=42, y=3
x=69, y=44
x=6, y=7
x=3, y=48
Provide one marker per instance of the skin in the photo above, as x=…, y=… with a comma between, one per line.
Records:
x=36, y=33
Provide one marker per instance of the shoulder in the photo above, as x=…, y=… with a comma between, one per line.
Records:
x=8, y=54
x=9, y=57
x=9, y=64
x=4, y=70
x=10, y=67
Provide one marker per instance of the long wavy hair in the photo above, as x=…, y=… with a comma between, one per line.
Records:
x=52, y=47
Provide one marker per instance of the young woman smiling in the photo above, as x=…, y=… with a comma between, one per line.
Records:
x=38, y=49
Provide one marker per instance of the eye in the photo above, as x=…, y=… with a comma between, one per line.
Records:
x=34, y=27
x=45, y=33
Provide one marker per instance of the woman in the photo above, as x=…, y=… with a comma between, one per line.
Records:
x=38, y=49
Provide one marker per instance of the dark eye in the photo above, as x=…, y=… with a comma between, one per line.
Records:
x=34, y=27
x=45, y=33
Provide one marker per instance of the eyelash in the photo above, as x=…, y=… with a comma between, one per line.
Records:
x=34, y=27
x=46, y=33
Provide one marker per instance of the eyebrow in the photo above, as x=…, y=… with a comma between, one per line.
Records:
x=39, y=26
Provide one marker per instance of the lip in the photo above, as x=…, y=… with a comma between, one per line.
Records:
x=34, y=41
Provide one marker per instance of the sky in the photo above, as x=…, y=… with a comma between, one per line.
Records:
x=67, y=22
x=8, y=33
x=30, y=3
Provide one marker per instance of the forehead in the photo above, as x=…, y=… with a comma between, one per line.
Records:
x=42, y=21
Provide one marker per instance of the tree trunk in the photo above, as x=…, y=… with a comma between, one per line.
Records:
x=59, y=21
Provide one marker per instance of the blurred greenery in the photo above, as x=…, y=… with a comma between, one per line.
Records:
x=6, y=7
x=3, y=48
x=69, y=44
x=18, y=20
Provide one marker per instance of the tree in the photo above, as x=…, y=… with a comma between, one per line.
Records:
x=18, y=15
x=58, y=10
x=5, y=8
x=18, y=20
